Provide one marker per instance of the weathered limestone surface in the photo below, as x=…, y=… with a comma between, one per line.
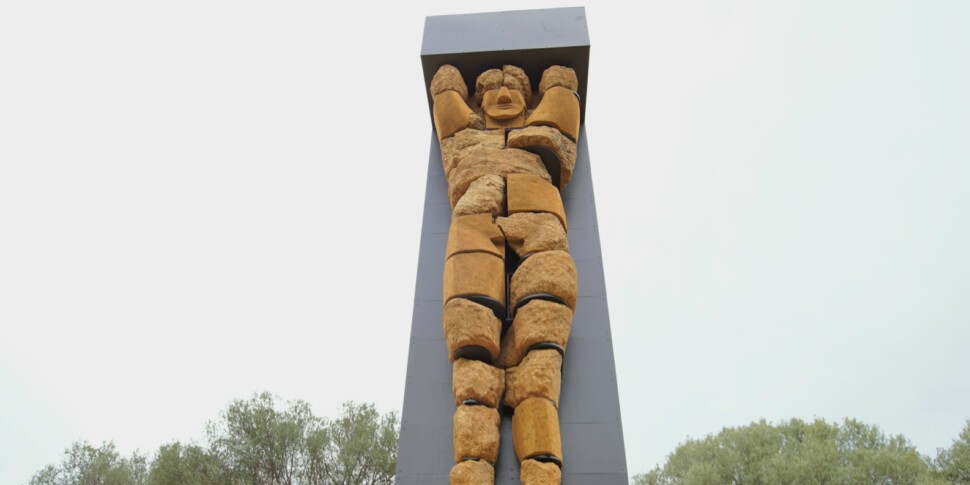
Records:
x=448, y=78
x=451, y=114
x=489, y=161
x=471, y=379
x=550, y=272
x=489, y=177
x=504, y=116
x=535, y=429
x=512, y=77
x=536, y=322
x=539, y=375
x=469, y=274
x=516, y=78
x=476, y=433
x=484, y=196
x=472, y=472
x=552, y=139
x=537, y=473
x=528, y=193
x=487, y=81
x=476, y=121
x=468, y=324
x=557, y=76
x=466, y=141
x=559, y=108
x=529, y=233
x=475, y=234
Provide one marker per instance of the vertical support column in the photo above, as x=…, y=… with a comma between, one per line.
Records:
x=447, y=397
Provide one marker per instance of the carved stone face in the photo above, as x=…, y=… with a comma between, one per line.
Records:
x=503, y=103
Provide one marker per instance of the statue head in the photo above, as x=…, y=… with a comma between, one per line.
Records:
x=503, y=93
x=503, y=104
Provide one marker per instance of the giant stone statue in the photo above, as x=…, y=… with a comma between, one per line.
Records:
x=504, y=194
x=510, y=269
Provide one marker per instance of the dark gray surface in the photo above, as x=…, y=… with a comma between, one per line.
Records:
x=530, y=39
x=589, y=410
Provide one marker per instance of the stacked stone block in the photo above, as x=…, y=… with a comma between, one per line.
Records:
x=510, y=285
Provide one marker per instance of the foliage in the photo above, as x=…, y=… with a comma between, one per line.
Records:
x=186, y=464
x=797, y=452
x=363, y=446
x=953, y=464
x=252, y=443
x=84, y=464
x=260, y=445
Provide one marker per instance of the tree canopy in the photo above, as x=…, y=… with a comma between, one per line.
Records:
x=254, y=442
x=798, y=452
x=953, y=463
x=84, y=464
x=259, y=441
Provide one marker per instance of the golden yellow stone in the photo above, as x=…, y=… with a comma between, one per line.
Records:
x=475, y=234
x=472, y=473
x=536, y=322
x=476, y=433
x=550, y=272
x=468, y=324
x=528, y=193
x=559, y=108
x=476, y=380
x=538, y=375
x=471, y=274
x=535, y=429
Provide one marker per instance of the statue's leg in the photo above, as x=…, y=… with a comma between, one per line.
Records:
x=543, y=294
x=475, y=306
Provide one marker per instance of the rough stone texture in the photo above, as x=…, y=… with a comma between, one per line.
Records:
x=536, y=322
x=469, y=274
x=451, y=114
x=516, y=78
x=528, y=193
x=476, y=433
x=475, y=234
x=486, y=195
x=537, y=473
x=455, y=148
x=487, y=81
x=550, y=272
x=512, y=77
x=468, y=324
x=539, y=375
x=476, y=121
x=558, y=76
x=448, y=78
x=535, y=429
x=490, y=161
x=558, y=108
x=473, y=473
x=529, y=233
x=552, y=139
x=504, y=124
x=471, y=379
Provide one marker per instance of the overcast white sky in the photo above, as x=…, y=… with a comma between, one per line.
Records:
x=204, y=199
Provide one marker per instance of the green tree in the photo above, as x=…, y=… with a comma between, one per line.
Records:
x=262, y=445
x=794, y=452
x=188, y=465
x=254, y=442
x=953, y=464
x=84, y=464
x=364, y=446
